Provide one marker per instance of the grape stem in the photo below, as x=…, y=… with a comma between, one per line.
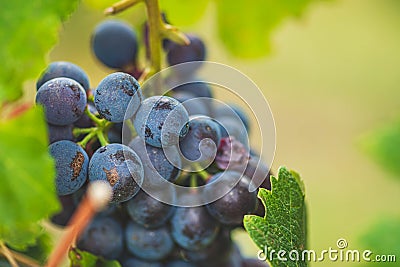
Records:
x=25, y=260
x=121, y=6
x=7, y=253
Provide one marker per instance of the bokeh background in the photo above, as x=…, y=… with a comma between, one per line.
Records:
x=332, y=77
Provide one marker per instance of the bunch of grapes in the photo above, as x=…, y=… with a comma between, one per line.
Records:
x=85, y=133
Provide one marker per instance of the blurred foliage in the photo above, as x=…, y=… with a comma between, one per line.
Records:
x=384, y=146
x=27, y=191
x=284, y=224
x=28, y=30
x=41, y=250
x=383, y=239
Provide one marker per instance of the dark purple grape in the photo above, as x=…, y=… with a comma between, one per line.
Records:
x=147, y=211
x=231, y=208
x=71, y=166
x=114, y=43
x=68, y=208
x=193, y=228
x=197, y=88
x=134, y=262
x=121, y=167
x=64, y=69
x=193, y=105
x=155, y=163
x=224, y=110
x=195, y=51
x=103, y=237
x=118, y=97
x=202, y=139
x=161, y=120
x=63, y=99
x=148, y=244
x=58, y=133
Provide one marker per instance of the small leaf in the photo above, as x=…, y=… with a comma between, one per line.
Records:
x=384, y=146
x=81, y=258
x=27, y=191
x=28, y=30
x=284, y=224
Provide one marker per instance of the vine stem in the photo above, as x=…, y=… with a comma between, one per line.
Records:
x=7, y=253
x=155, y=34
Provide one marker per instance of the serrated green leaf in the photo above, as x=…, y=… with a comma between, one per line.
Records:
x=384, y=146
x=383, y=239
x=28, y=30
x=81, y=258
x=27, y=191
x=246, y=28
x=177, y=10
x=284, y=224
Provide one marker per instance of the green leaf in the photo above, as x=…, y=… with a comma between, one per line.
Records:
x=28, y=30
x=27, y=191
x=284, y=224
x=383, y=239
x=384, y=146
x=41, y=250
x=81, y=258
x=177, y=10
x=246, y=28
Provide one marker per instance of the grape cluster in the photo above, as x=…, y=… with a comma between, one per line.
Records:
x=85, y=133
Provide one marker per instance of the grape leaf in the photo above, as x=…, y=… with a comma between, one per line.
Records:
x=246, y=28
x=383, y=239
x=384, y=146
x=284, y=224
x=177, y=10
x=81, y=258
x=27, y=191
x=28, y=30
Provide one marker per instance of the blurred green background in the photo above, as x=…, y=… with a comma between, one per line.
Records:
x=333, y=76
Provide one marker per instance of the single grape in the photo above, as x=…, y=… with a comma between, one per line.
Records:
x=118, y=97
x=148, y=244
x=64, y=69
x=161, y=120
x=233, y=258
x=218, y=250
x=68, y=208
x=121, y=167
x=197, y=88
x=147, y=211
x=232, y=154
x=103, y=237
x=64, y=100
x=203, y=133
x=195, y=51
x=71, y=166
x=58, y=133
x=231, y=208
x=224, y=110
x=193, y=105
x=134, y=262
x=254, y=263
x=115, y=44
x=155, y=162
x=233, y=127
x=193, y=228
